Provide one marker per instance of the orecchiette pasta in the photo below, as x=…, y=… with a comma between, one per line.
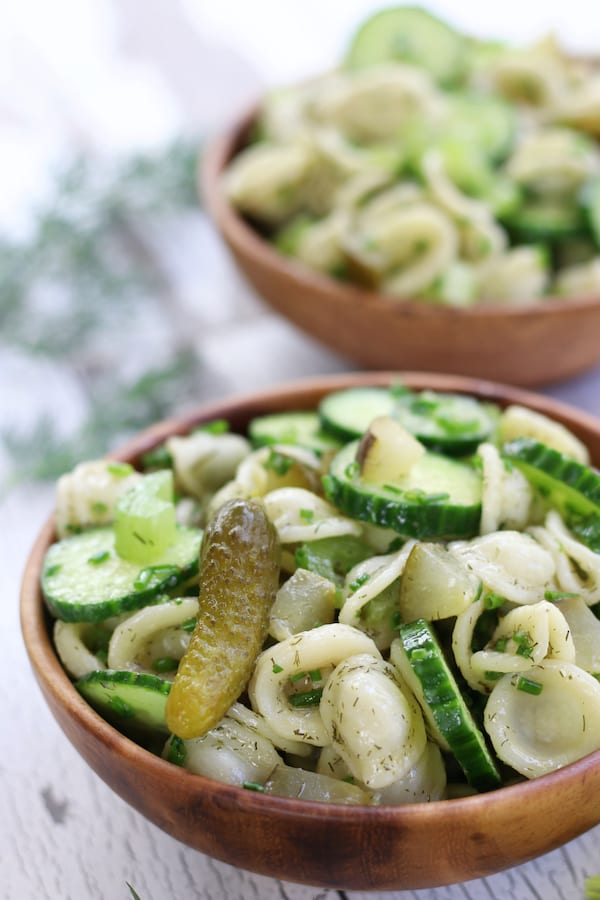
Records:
x=299, y=515
x=510, y=564
x=320, y=648
x=577, y=567
x=88, y=495
x=204, y=462
x=376, y=728
x=75, y=655
x=368, y=579
x=506, y=493
x=231, y=752
x=542, y=728
x=151, y=633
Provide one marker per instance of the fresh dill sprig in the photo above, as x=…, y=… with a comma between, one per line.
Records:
x=85, y=275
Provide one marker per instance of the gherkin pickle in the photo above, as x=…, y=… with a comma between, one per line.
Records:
x=239, y=577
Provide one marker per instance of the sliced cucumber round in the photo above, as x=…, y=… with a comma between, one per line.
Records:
x=409, y=34
x=299, y=428
x=444, y=704
x=347, y=414
x=85, y=580
x=438, y=498
x=544, y=222
x=448, y=423
x=571, y=486
x=127, y=699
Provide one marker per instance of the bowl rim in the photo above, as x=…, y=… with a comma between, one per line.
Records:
x=212, y=165
x=36, y=622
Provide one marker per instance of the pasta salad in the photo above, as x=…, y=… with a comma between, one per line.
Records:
x=391, y=599
x=433, y=166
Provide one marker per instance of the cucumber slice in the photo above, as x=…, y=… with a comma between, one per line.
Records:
x=332, y=557
x=84, y=579
x=127, y=699
x=447, y=423
x=570, y=486
x=445, y=705
x=544, y=222
x=347, y=414
x=299, y=428
x=409, y=34
x=438, y=498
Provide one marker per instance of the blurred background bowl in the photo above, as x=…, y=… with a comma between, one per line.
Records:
x=527, y=344
x=358, y=848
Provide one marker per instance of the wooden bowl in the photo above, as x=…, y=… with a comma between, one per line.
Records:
x=529, y=344
x=358, y=848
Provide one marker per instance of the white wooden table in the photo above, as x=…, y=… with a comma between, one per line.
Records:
x=63, y=834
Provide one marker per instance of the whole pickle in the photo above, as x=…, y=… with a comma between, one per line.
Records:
x=239, y=577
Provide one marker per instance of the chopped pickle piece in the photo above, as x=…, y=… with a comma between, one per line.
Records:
x=145, y=518
x=387, y=451
x=239, y=577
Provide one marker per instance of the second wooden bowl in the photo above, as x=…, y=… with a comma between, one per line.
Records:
x=527, y=345
x=358, y=848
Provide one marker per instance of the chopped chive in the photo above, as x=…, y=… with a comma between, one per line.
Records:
x=297, y=677
x=158, y=458
x=493, y=601
x=165, y=664
x=349, y=779
x=553, y=596
x=277, y=668
x=358, y=582
x=99, y=508
x=398, y=390
x=279, y=463
x=352, y=469
x=177, y=751
x=99, y=557
x=396, y=619
x=307, y=514
x=53, y=570
x=315, y=675
x=392, y=488
x=188, y=625
x=529, y=686
x=306, y=698
x=524, y=643
x=215, y=426
x=254, y=786
x=119, y=469
x=492, y=676
x=501, y=645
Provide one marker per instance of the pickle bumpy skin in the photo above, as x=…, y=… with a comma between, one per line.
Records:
x=239, y=577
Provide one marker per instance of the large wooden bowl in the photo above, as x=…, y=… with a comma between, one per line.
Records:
x=528, y=345
x=360, y=848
